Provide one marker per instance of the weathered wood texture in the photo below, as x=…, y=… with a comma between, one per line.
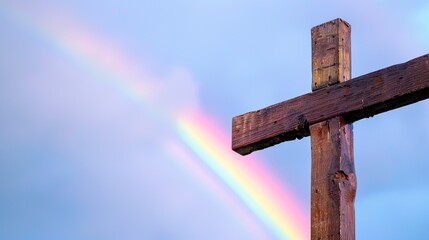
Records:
x=358, y=98
x=333, y=182
x=331, y=53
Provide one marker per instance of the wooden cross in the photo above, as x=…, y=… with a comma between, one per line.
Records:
x=326, y=114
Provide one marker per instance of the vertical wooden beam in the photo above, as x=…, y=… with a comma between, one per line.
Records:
x=333, y=180
x=331, y=53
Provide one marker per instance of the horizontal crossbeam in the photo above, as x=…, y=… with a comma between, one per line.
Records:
x=358, y=98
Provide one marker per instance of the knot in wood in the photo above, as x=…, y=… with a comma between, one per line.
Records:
x=340, y=175
x=345, y=182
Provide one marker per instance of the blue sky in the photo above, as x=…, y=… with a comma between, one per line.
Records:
x=82, y=157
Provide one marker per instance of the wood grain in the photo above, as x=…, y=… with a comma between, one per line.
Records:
x=333, y=180
x=331, y=53
x=358, y=98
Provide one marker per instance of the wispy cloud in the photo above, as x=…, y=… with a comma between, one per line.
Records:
x=112, y=121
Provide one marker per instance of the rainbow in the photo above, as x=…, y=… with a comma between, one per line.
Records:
x=253, y=183
x=251, y=188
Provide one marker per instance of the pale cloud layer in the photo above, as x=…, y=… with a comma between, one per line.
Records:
x=90, y=92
